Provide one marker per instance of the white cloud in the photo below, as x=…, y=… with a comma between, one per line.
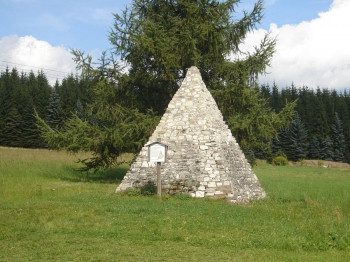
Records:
x=313, y=53
x=28, y=53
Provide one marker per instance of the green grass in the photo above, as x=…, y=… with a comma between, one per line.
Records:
x=49, y=212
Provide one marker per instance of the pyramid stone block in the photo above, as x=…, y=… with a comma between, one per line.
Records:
x=204, y=159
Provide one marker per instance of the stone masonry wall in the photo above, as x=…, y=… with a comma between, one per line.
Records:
x=204, y=159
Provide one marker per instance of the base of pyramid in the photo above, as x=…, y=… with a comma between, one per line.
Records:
x=204, y=159
x=185, y=173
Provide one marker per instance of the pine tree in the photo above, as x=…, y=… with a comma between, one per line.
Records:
x=338, y=139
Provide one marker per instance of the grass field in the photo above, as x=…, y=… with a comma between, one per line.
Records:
x=49, y=212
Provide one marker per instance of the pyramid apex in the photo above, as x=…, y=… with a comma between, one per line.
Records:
x=193, y=70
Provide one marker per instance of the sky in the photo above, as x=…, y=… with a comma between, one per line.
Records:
x=313, y=37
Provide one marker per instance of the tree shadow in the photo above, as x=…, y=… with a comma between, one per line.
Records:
x=110, y=175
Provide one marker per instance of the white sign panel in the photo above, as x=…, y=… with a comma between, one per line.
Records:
x=157, y=152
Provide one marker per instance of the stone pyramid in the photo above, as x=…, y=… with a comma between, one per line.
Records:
x=204, y=159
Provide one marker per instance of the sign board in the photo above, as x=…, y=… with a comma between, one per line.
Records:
x=157, y=152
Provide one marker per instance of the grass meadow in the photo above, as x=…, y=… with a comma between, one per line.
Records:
x=50, y=212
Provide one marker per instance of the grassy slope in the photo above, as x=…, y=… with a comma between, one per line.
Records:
x=50, y=212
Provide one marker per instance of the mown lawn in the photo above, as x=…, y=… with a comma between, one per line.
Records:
x=49, y=212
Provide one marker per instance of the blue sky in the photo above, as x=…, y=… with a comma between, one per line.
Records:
x=40, y=33
x=84, y=24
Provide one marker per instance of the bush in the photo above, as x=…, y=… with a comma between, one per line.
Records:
x=133, y=192
x=149, y=189
x=280, y=161
x=281, y=153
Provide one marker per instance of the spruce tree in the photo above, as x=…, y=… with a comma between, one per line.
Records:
x=54, y=112
x=338, y=139
x=326, y=149
x=31, y=134
x=296, y=140
x=12, y=130
x=314, y=148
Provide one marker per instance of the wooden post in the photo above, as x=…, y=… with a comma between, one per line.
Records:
x=159, y=180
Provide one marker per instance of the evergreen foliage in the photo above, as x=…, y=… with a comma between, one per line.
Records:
x=54, y=112
x=326, y=151
x=314, y=148
x=338, y=139
x=296, y=146
x=108, y=131
x=161, y=39
x=317, y=110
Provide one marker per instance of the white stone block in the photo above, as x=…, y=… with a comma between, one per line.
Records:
x=200, y=194
x=211, y=184
x=201, y=188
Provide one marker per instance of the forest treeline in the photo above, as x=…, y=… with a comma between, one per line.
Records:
x=320, y=128
x=23, y=95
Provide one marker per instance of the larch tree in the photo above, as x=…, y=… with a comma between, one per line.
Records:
x=160, y=39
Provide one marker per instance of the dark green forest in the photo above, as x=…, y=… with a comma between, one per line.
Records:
x=320, y=128
x=24, y=95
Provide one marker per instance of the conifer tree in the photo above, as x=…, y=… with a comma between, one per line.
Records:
x=295, y=142
x=338, y=139
x=314, y=148
x=326, y=149
x=160, y=39
x=79, y=109
x=30, y=132
x=12, y=130
x=54, y=112
x=108, y=130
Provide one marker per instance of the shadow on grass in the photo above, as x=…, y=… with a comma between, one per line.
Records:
x=110, y=175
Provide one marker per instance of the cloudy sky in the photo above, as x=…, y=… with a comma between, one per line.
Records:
x=312, y=48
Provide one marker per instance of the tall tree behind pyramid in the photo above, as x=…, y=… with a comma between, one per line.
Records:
x=204, y=158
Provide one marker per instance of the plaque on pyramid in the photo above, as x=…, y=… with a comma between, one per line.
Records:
x=203, y=158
